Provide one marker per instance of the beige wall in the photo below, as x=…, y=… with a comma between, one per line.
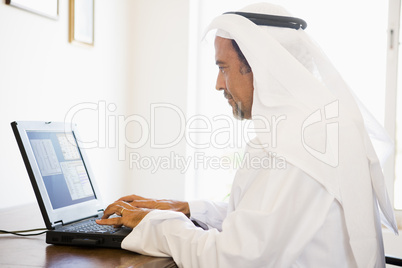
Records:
x=159, y=66
x=138, y=58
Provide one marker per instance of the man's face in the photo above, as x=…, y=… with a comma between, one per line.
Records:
x=237, y=85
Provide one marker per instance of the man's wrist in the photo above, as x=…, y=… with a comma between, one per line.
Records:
x=186, y=209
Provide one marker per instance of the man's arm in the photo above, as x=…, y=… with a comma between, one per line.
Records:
x=208, y=214
x=162, y=204
x=274, y=220
x=134, y=208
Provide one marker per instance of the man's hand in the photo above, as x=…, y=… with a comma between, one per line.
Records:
x=163, y=204
x=133, y=208
x=129, y=216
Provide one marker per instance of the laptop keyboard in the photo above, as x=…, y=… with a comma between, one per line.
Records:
x=90, y=226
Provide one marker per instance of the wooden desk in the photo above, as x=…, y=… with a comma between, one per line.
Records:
x=33, y=251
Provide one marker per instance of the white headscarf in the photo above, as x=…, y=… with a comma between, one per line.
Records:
x=324, y=132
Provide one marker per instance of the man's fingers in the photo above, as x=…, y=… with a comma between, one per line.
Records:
x=131, y=198
x=130, y=216
x=110, y=210
x=115, y=208
x=111, y=221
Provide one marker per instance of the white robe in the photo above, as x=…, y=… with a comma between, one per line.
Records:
x=324, y=134
x=275, y=218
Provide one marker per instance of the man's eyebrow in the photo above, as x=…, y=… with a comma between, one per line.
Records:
x=219, y=62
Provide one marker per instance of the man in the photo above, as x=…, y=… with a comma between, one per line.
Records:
x=320, y=210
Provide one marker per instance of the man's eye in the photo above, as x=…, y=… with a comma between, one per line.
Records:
x=222, y=69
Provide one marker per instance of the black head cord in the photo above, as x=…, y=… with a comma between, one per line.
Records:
x=273, y=20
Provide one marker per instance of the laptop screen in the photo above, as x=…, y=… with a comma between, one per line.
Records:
x=63, y=171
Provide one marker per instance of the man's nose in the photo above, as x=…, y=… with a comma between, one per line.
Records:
x=220, y=82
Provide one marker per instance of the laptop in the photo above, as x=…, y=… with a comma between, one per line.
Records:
x=64, y=185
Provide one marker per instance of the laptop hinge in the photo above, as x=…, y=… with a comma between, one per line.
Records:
x=100, y=212
x=61, y=223
x=57, y=224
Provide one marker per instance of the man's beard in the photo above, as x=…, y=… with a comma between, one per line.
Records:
x=238, y=112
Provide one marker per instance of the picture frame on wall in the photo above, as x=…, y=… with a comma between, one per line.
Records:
x=81, y=25
x=46, y=8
